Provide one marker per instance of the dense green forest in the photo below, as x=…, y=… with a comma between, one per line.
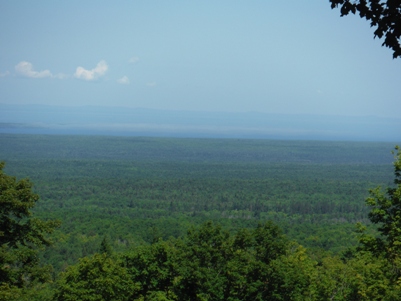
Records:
x=130, y=198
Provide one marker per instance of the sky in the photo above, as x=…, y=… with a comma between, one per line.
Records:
x=278, y=57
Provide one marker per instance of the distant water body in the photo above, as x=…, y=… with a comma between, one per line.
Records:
x=117, y=121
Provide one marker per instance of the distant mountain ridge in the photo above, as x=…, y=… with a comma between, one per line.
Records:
x=98, y=120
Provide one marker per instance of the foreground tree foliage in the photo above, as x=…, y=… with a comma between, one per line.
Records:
x=21, y=236
x=385, y=16
x=386, y=213
x=211, y=264
x=207, y=264
x=95, y=278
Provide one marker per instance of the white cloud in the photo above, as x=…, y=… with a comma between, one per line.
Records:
x=26, y=69
x=133, y=60
x=4, y=74
x=100, y=70
x=124, y=80
x=151, y=84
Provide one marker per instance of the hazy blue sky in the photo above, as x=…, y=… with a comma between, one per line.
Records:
x=258, y=55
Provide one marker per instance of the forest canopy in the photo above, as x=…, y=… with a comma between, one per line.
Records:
x=21, y=237
x=247, y=257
